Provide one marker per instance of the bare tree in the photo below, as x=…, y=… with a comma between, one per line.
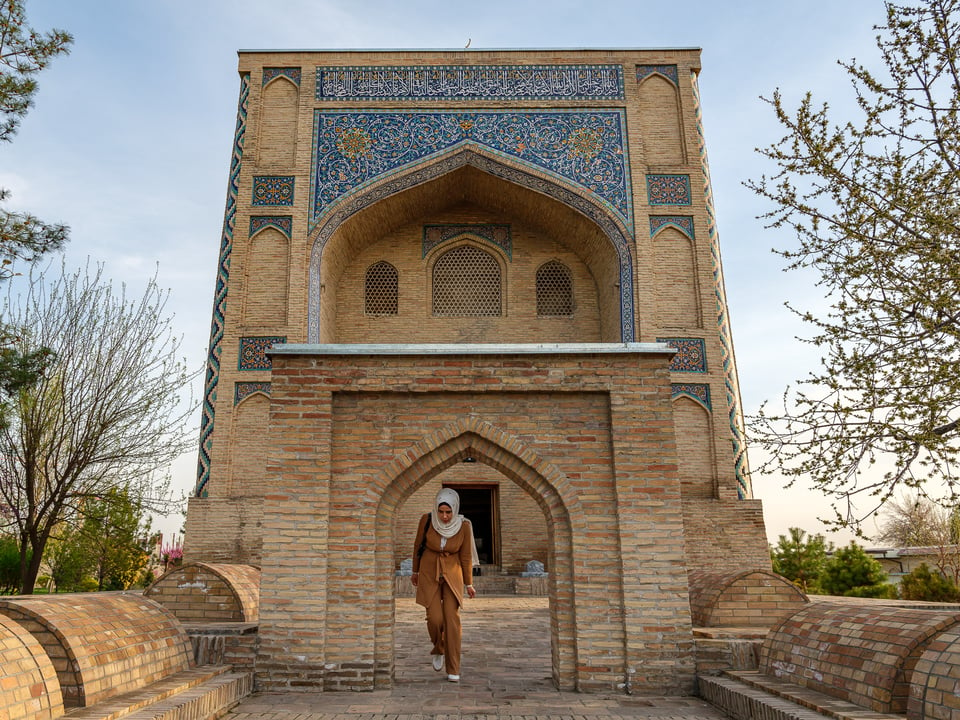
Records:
x=109, y=412
x=914, y=521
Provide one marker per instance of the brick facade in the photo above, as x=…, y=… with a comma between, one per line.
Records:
x=358, y=182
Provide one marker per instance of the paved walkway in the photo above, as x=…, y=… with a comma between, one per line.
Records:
x=505, y=674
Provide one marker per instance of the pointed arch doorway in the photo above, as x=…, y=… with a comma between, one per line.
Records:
x=472, y=444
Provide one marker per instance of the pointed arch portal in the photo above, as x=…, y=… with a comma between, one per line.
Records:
x=357, y=429
x=596, y=221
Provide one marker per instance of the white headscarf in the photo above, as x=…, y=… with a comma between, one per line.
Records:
x=449, y=496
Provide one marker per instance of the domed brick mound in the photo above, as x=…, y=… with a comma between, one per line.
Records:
x=935, y=686
x=102, y=644
x=750, y=598
x=29, y=689
x=208, y=592
x=865, y=655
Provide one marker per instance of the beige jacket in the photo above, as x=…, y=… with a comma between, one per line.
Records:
x=454, y=563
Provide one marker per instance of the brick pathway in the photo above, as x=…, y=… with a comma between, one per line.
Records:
x=505, y=674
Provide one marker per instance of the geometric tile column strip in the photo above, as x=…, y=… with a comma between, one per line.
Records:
x=220, y=294
x=731, y=383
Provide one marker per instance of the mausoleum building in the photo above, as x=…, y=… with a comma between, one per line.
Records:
x=497, y=271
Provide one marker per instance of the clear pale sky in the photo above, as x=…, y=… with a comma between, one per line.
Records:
x=129, y=142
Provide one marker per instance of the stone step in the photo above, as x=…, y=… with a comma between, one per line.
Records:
x=754, y=696
x=196, y=694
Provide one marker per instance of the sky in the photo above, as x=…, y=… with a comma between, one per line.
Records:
x=129, y=141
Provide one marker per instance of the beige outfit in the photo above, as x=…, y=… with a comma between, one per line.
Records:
x=443, y=573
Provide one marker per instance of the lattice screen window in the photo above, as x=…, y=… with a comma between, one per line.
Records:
x=380, y=289
x=466, y=283
x=554, y=289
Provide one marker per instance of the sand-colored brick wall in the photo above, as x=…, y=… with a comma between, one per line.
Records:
x=205, y=592
x=225, y=530
x=752, y=598
x=29, y=689
x=864, y=655
x=102, y=644
x=725, y=535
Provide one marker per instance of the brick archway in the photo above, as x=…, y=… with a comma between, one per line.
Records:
x=485, y=444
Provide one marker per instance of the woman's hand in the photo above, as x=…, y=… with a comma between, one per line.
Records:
x=415, y=578
x=471, y=591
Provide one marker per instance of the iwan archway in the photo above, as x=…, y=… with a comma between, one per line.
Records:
x=467, y=184
x=358, y=428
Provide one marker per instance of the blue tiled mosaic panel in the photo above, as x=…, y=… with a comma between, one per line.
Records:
x=273, y=190
x=697, y=391
x=668, y=189
x=683, y=223
x=253, y=352
x=668, y=71
x=691, y=354
x=283, y=223
x=243, y=390
x=291, y=73
x=587, y=147
x=498, y=235
x=472, y=82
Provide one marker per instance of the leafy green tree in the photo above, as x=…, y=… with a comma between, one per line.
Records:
x=800, y=558
x=115, y=530
x=109, y=413
x=69, y=560
x=9, y=564
x=874, y=204
x=24, y=52
x=853, y=573
x=926, y=584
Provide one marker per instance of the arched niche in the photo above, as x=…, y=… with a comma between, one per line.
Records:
x=661, y=127
x=470, y=177
x=677, y=292
x=279, y=104
x=266, y=277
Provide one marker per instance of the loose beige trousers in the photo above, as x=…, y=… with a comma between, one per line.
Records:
x=443, y=624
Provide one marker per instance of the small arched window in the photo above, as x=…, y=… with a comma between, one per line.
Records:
x=380, y=289
x=466, y=283
x=554, y=290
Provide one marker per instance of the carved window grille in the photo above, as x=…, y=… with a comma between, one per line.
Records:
x=380, y=289
x=466, y=283
x=554, y=290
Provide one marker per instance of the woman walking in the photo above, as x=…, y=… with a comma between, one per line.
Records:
x=443, y=560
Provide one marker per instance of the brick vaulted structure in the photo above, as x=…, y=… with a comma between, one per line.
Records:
x=492, y=270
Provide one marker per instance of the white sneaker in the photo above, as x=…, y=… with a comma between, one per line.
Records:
x=453, y=678
x=437, y=662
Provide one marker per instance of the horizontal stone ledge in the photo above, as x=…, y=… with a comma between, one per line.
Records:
x=473, y=349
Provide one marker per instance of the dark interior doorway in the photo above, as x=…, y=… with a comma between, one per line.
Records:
x=479, y=503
